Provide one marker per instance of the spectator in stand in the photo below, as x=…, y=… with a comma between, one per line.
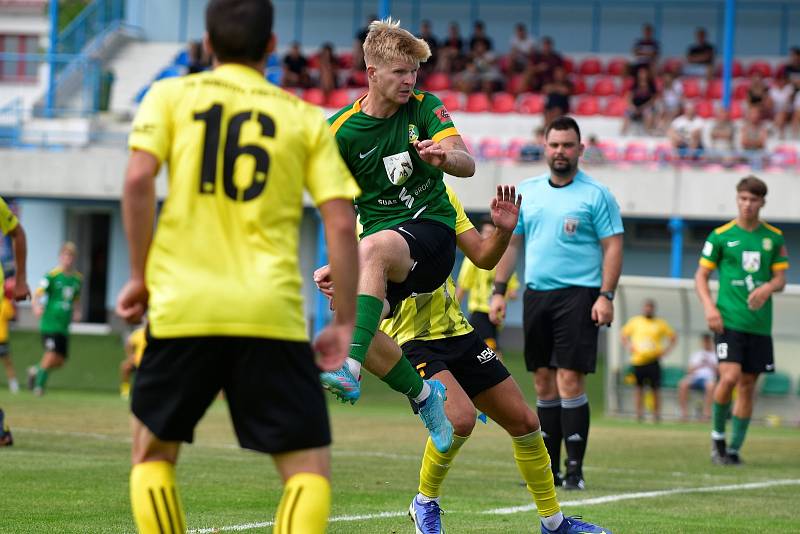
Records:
x=645, y=51
x=593, y=154
x=796, y=116
x=702, y=376
x=754, y=138
x=328, y=69
x=199, y=59
x=758, y=93
x=481, y=72
x=700, y=56
x=686, y=133
x=451, y=57
x=781, y=96
x=643, y=97
x=358, y=44
x=542, y=66
x=557, y=92
x=295, y=68
x=671, y=100
x=722, y=135
x=534, y=150
x=792, y=69
x=426, y=34
x=479, y=36
x=522, y=48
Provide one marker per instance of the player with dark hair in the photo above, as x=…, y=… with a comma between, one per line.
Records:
x=240, y=153
x=752, y=260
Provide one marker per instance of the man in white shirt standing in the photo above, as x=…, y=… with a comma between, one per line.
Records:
x=702, y=375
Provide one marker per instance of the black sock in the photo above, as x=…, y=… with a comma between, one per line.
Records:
x=575, y=429
x=549, y=412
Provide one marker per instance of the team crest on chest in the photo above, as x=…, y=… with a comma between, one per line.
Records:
x=398, y=167
x=766, y=244
x=570, y=225
x=751, y=261
x=413, y=133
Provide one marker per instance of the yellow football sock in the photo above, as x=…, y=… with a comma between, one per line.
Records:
x=435, y=466
x=305, y=505
x=154, y=498
x=533, y=463
x=124, y=389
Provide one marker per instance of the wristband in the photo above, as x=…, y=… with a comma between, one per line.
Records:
x=500, y=288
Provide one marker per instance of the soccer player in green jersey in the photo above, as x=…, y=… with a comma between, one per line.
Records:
x=398, y=143
x=57, y=303
x=752, y=260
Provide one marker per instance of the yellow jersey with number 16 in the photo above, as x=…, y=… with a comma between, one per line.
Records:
x=240, y=152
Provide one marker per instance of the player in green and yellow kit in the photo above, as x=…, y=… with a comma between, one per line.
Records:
x=752, y=260
x=57, y=302
x=398, y=143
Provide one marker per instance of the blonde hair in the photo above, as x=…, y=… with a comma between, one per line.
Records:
x=386, y=42
x=70, y=247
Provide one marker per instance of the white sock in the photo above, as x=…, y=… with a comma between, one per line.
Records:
x=424, y=394
x=553, y=522
x=422, y=499
x=13, y=385
x=354, y=367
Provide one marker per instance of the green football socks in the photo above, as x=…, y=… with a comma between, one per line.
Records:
x=738, y=432
x=368, y=316
x=404, y=379
x=719, y=415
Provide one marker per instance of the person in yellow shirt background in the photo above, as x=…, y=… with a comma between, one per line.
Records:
x=479, y=283
x=648, y=338
x=134, y=349
x=7, y=313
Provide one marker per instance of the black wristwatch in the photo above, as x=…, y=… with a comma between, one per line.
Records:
x=608, y=294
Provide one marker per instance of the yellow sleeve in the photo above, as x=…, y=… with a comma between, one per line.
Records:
x=513, y=282
x=152, y=126
x=8, y=221
x=466, y=276
x=462, y=221
x=8, y=310
x=627, y=330
x=327, y=176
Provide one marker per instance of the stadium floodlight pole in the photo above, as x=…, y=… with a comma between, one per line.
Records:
x=676, y=225
x=384, y=8
x=51, y=60
x=727, y=51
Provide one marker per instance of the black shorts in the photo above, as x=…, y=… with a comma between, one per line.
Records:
x=4, y=349
x=485, y=328
x=752, y=351
x=474, y=365
x=58, y=343
x=559, y=331
x=272, y=388
x=649, y=373
x=433, y=249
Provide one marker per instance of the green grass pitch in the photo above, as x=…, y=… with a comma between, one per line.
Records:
x=67, y=471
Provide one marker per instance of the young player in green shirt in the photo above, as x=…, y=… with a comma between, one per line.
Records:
x=752, y=260
x=57, y=303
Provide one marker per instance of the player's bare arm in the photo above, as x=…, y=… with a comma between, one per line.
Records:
x=138, y=214
x=713, y=317
x=759, y=296
x=486, y=253
x=21, y=289
x=506, y=266
x=450, y=154
x=603, y=309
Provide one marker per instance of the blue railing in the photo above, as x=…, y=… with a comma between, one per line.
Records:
x=91, y=22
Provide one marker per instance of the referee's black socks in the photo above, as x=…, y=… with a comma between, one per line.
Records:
x=575, y=429
x=549, y=412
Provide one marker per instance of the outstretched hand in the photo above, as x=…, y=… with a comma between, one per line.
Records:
x=505, y=207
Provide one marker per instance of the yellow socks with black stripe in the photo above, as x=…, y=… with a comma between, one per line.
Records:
x=435, y=466
x=154, y=498
x=368, y=316
x=533, y=463
x=305, y=505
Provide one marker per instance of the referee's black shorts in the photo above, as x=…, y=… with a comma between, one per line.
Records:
x=433, y=248
x=559, y=331
x=272, y=388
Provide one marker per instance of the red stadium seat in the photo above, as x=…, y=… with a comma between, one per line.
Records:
x=705, y=108
x=617, y=66
x=604, y=87
x=672, y=64
x=737, y=69
x=587, y=105
x=714, y=89
x=740, y=90
x=627, y=83
x=313, y=61
x=736, y=110
x=503, y=103
x=569, y=65
x=761, y=67
x=358, y=78
x=516, y=83
x=437, y=81
x=451, y=101
x=784, y=156
x=578, y=86
x=478, y=103
x=491, y=148
x=314, y=96
x=616, y=106
x=346, y=60
x=531, y=103
x=339, y=99
x=691, y=87
x=590, y=66
x=636, y=152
